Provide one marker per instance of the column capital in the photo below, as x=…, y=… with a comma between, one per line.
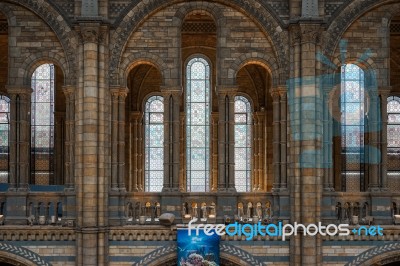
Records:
x=384, y=90
x=172, y=89
x=68, y=89
x=90, y=32
x=227, y=89
x=22, y=89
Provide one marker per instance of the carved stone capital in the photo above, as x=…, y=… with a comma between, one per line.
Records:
x=385, y=91
x=310, y=33
x=21, y=90
x=68, y=90
x=90, y=32
x=295, y=34
x=227, y=90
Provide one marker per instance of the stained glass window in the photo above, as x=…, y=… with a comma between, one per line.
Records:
x=154, y=143
x=4, y=137
x=198, y=125
x=393, y=136
x=42, y=125
x=243, y=138
x=352, y=125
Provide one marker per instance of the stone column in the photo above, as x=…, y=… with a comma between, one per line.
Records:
x=114, y=138
x=172, y=100
x=384, y=94
x=327, y=124
x=373, y=147
x=136, y=118
x=306, y=141
x=19, y=153
x=226, y=138
x=283, y=137
x=58, y=177
x=69, y=92
x=19, y=137
x=92, y=146
x=276, y=135
x=214, y=151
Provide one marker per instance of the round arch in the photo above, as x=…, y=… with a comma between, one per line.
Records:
x=344, y=17
x=137, y=12
x=66, y=36
x=268, y=62
x=144, y=58
x=29, y=66
x=167, y=254
x=381, y=255
x=18, y=255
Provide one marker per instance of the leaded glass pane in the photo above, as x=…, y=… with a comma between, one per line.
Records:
x=352, y=120
x=242, y=144
x=4, y=137
x=393, y=136
x=154, y=144
x=198, y=125
x=42, y=125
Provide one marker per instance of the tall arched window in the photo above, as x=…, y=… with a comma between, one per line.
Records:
x=198, y=125
x=243, y=137
x=352, y=127
x=42, y=125
x=393, y=136
x=154, y=143
x=4, y=138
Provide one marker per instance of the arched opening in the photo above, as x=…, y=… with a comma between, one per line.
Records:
x=199, y=42
x=254, y=83
x=47, y=126
x=144, y=133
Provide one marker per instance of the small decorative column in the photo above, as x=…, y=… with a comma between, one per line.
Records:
x=182, y=171
x=226, y=138
x=373, y=147
x=327, y=138
x=19, y=153
x=136, y=118
x=214, y=151
x=69, y=92
x=283, y=137
x=172, y=99
x=276, y=134
x=384, y=94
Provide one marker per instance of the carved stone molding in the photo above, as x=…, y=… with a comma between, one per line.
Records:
x=90, y=33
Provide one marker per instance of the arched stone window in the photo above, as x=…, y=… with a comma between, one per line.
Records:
x=243, y=138
x=154, y=143
x=352, y=127
x=198, y=125
x=393, y=137
x=4, y=138
x=42, y=125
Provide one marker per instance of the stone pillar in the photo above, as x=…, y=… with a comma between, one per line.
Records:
x=58, y=177
x=373, y=146
x=136, y=118
x=92, y=146
x=214, y=151
x=327, y=146
x=172, y=100
x=276, y=135
x=306, y=141
x=226, y=138
x=19, y=154
x=283, y=137
x=384, y=94
x=69, y=92
x=20, y=98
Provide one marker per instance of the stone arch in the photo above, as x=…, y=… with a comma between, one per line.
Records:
x=33, y=61
x=143, y=58
x=166, y=254
x=137, y=12
x=266, y=61
x=9, y=13
x=378, y=256
x=67, y=37
x=21, y=255
x=344, y=17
